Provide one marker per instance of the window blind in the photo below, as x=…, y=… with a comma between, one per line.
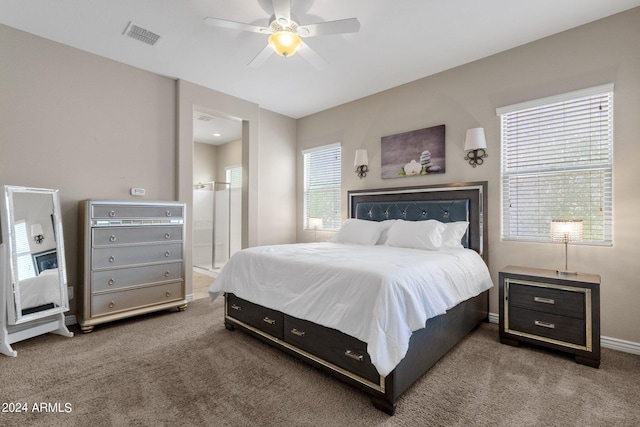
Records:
x=26, y=268
x=323, y=185
x=557, y=157
x=234, y=176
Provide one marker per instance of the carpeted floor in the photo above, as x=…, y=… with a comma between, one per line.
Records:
x=185, y=368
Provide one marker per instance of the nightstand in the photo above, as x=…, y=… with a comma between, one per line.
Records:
x=552, y=310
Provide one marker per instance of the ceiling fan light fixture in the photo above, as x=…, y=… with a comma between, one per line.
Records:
x=285, y=43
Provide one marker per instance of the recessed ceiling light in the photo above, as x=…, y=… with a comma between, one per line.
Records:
x=216, y=134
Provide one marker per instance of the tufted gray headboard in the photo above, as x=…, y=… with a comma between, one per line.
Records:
x=446, y=203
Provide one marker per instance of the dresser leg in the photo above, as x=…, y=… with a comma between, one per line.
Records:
x=229, y=326
x=182, y=307
x=594, y=363
x=86, y=329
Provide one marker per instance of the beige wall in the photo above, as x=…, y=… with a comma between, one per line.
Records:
x=466, y=97
x=204, y=162
x=229, y=154
x=93, y=128
x=86, y=125
x=277, y=172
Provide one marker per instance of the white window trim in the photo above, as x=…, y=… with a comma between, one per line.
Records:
x=568, y=96
x=309, y=151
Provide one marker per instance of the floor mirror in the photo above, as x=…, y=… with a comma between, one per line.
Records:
x=33, y=276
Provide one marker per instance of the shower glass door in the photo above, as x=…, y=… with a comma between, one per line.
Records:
x=211, y=226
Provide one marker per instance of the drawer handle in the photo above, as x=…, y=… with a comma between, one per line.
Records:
x=167, y=235
x=236, y=307
x=355, y=356
x=269, y=321
x=111, y=281
x=167, y=254
x=167, y=273
x=112, y=238
x=112, y=258
x=544, y=300
x=112, y=304
x=168, y=213
x=112, y=213
x=296, y=332
x=168, y=294
x=544, y=324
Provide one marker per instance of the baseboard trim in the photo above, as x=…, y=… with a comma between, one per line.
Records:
x=620, y=345
x=606, y=342
x=190, y=298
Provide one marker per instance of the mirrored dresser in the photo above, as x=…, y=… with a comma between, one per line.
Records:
x=131, y=259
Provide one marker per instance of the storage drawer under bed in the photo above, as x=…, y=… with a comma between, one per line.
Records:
x=332, y=346
x=262, y=318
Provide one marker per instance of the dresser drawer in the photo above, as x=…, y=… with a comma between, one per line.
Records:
x=561, y=328
x=331, y=345
x=548, y=300
x=107, y=257
x=119, y=211
x=110, y=236
x=114, y=302
x=106, y=280
x=262, y=318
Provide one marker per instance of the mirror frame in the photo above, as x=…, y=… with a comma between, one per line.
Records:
x=14, y=313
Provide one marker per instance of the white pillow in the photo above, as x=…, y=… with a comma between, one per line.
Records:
x=452, y=235
x=416, y=234
x=359, y=232
x=384, y=230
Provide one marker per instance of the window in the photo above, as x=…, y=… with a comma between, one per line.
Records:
x=557, y=157
x=234, y=176
x=26, y=268
x=322, y=185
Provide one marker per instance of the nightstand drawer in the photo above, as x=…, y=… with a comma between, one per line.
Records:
x=565, y=329
x=546, y=299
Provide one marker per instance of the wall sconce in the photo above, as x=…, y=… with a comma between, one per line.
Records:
x=37, y=233
x=475, y=143
x=315, y=223
x=361, y=163
x=565, y=231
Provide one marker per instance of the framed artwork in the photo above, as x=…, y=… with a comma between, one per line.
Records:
x=45, y=260
x=414, y=153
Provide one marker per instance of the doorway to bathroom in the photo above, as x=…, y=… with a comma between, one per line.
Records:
x=217, y=194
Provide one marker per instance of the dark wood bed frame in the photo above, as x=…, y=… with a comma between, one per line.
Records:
x=345, y=357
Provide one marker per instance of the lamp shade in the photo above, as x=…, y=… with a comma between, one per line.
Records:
x=36, y=230
x=285, y=43
x=361, y=158
x=566, y=230
x=315, y=223
x=475, y=139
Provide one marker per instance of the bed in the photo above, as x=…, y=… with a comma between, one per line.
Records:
x=380, y=323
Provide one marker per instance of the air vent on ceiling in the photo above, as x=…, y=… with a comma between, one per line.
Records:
x=204, y=118
x=140, y=34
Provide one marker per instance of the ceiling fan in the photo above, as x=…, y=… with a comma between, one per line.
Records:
x=285, y=33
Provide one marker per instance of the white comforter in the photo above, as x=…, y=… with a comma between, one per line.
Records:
x=378, y=294
x=40, y=290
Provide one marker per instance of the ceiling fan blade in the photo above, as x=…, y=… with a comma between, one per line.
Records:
x=312, y=57
x=232, y=25
x=282, y=11
x=262, y=57
x=342, y=26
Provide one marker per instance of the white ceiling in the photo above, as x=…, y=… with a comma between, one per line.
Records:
x=399, y=40
x=215, y=130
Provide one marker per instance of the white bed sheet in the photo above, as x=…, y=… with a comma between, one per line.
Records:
x=378, y=294
x=40, y=290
